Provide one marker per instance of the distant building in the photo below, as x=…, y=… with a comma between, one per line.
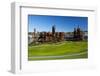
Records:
x=69, y=36
x=85, y=35
x=30, y=38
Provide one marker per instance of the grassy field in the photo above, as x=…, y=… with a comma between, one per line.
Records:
x=61, y=50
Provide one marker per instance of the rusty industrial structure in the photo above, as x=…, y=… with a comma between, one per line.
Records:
x=53, y=36
x=48, y=36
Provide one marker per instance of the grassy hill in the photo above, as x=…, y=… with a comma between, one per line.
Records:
x=60, y=50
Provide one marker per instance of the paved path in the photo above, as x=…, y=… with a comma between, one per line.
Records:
x=61, y=56
x=48, y=45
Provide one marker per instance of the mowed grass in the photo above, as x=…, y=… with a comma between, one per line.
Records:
x=58, y=49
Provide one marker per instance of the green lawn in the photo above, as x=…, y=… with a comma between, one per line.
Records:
x=67, y=49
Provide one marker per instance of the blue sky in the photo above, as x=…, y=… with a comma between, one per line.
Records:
x=62, y=23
